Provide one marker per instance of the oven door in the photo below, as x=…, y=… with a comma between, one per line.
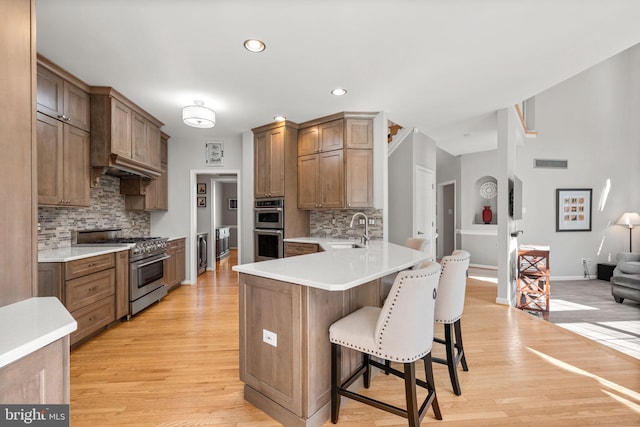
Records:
x=146, y=275
x=268, y=244
x=269, y=218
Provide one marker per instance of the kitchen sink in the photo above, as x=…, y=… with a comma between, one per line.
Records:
x=344, y=245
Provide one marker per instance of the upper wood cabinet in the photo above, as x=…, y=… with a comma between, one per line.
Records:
x=61, y=99
x=271, y=160
x=335, y=163
x=145, y=194
x=123, y=136
x=63, y=163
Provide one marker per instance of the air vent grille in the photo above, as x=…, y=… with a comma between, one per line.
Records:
x=550, y=164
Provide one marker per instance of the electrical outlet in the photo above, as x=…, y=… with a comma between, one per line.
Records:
x=270, y=338
x=372, y=221
x=361, y=221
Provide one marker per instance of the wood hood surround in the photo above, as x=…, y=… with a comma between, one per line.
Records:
x=116, y=147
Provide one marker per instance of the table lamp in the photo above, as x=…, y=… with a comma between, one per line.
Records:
x=629, y=219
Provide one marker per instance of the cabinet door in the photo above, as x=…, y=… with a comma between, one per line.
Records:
x=359, y=182
x=139, y=141
x=331, y=179
x=49, y=93
x=331, y=135
x=76, y=172
x=308, y=181
x=170, y=265
x=122, y=284
x=180, y=261
x=76, y=106
x=308, y=141
x=359, y=133
x=261, y=165
x=153, y=145
x=120, y=129
x=276, y=163
x=50, y=152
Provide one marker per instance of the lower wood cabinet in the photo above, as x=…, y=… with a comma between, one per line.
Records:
x=294, y=374
x=295, y=248
x=41, y=377
x=95, y=290
x=174, y=267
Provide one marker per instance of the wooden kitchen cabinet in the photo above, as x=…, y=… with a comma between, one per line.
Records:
x=63, y=163
x=87, y=288
x=123, y=135
x=122, y=284
x=174, y=267
x=63, y=140
x=295, y=248
x=269, y=162
x=61, y=99
x=339, y=173
x=145, y=194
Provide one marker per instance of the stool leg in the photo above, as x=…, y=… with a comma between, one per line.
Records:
x=410, y=391
x=366, y=378
x=458, y=330
x=428, y=371
x=335, y=381
x=451, y=360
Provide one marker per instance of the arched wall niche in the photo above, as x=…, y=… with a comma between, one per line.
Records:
x=485, y=194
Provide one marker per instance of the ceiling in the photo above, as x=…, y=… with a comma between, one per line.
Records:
x=442, y=66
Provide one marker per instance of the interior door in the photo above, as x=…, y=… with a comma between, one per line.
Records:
x=424, y=206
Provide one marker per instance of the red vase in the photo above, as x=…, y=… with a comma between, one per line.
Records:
x=487, y=215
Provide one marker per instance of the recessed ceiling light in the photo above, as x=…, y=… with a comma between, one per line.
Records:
x=279, y=118
x=254, y=45
x=338, y=92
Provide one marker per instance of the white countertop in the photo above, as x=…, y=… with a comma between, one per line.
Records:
x=31, y=324
x=71, y=253
x=336, y=269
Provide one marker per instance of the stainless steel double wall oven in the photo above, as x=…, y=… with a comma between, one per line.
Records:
x=269, y=229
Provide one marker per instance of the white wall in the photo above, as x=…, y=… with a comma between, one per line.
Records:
x=590, y=120
x=186, y=161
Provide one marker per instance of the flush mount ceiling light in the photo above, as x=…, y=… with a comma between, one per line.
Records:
x=254, y=45
x=338, y=92
x=279, y=118
x=198, y=116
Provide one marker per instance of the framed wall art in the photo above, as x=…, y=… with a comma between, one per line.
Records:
x=233, y=204
x=201, y=188
x=573, y=209
x=202, y=202
x=214, y=153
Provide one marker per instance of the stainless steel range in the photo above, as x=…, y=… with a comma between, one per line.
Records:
x=146, y=263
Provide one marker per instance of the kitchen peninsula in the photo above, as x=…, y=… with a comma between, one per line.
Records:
x=286, y=308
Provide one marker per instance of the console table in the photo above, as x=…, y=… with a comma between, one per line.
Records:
x=533, y=279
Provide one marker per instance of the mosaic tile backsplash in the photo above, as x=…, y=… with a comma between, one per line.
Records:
x=335, y=224
x=106, y=211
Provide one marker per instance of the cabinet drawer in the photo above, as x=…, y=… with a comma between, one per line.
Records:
x=82, y=267
x=294, y=249
x=89, y=289
x=93, y=317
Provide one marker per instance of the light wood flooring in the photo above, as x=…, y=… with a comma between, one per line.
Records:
x=176, y=364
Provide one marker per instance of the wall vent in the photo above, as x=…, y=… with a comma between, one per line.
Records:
x=550, y=164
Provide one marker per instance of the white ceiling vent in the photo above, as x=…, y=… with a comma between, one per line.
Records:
x=550, y=164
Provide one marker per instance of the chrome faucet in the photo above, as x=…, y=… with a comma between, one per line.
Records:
x=365, y=237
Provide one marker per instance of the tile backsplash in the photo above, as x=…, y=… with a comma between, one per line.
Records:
x=334, y=223
x=106, y=211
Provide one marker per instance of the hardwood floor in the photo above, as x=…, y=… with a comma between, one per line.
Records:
x=176, y=364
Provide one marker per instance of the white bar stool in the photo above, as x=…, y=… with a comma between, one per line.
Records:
x=394, y=332
x=448, y=310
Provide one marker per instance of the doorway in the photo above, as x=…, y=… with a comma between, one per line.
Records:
x=423, y=207
x=215, y=203
x=446, y=241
